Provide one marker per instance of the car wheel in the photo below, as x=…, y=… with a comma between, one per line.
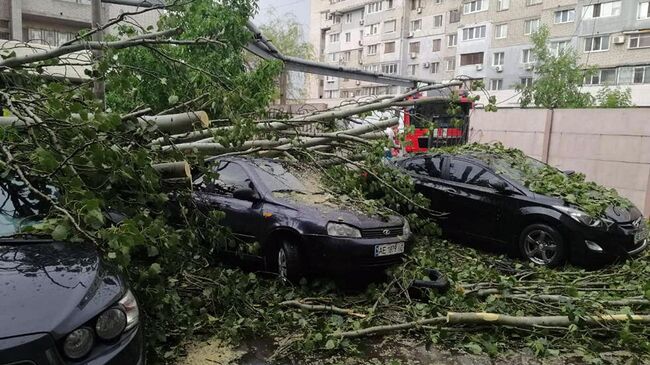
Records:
x=288, y=263
x=543, y=245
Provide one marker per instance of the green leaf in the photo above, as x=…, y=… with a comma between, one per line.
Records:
x=155, y=268
x=61, y=232
x=173, y=99
x=330, y=344
x=474, y=348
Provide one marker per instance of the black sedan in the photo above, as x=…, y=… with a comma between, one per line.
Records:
x=497, y=207
x=59, y=302
x=299, y=226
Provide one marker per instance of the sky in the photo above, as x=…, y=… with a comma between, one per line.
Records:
x=299, y=8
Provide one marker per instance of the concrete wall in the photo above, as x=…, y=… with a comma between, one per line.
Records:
x=610, y=146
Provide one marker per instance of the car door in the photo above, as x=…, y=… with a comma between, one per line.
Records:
x=241, y=216
x=475, y=208
x=426, y=172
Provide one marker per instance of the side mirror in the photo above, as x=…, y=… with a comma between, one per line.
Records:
x=569, y=172
x=244, y=194
x=499, y=185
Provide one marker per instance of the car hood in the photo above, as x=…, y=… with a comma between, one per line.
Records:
x=52, y=287
x=322, y=209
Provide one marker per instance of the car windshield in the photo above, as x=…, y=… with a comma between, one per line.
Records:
x=281, y=178
x=19, y=208
x=513, y=169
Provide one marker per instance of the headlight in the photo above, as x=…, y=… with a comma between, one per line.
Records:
x=78, y=343
x=580, y=216
x=342, y=230
x=130, y=307
x=110, y=324
x=407, y=228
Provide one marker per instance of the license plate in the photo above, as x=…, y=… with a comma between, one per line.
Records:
x=638, y=237
x=389, y=249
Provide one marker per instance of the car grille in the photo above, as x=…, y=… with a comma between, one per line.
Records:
x=382, y=232
x=384, y=261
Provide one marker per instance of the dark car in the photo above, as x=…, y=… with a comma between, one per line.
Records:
x=497, y=207
x=59, y=302
x=300, y=227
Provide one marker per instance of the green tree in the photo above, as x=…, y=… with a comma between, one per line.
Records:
x=614, y=98
x=559, y=78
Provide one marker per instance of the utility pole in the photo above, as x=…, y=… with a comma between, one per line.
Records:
x=99, y=87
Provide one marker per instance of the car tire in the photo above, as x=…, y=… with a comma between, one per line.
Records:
x=288, y=263
x=543, y=245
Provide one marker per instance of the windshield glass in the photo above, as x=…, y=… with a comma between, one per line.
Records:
x=18, y=208
x=516, y=170
x=285, y=178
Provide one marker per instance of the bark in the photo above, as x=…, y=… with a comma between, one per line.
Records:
x=321, y=308
x=173, y=170
x=15, y=122
x=149, y=38
x=377, y=330
x=177, y=123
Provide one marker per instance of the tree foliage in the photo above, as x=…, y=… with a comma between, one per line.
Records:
x=614, y=98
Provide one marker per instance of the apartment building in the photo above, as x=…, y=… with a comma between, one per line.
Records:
x=482, y=39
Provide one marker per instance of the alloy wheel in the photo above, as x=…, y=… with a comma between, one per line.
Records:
x=282, y=264
x=540, y=247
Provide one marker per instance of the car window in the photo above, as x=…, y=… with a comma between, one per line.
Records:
x=428, y=165
x=19, y=208
x=231, y=177
x=469, y=173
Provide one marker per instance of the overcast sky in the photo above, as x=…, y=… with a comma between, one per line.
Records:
x=299, y=8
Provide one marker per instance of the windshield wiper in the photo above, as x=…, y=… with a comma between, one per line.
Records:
x=289, y=191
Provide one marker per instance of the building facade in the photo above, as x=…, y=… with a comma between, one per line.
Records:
x=484, y=39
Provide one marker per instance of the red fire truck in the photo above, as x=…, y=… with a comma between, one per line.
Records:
x=446, y=132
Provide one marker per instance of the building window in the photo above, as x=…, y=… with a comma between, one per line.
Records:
x=531, y=26
x=372, y=50
x=390, y=26
x=416, y=25
x=471, y=59
x=48, y=37
x=348, y=18
x=437, y=21
x=346, y=56
x=559, y=47
x=503, y=5
x=371, y=68
x=602, y=77
x=565, y=16
x=526, y=81
x=336, y=19
x=498, y=58
x=475, y=6
x=527, y=56
x=374, y=7
x=412, y=69
x=644, y=10
x=496, y=84
x=435, y=67
x=330, y=79
x=389, y=47
x=348, y=37
x=639, y=40
x=501, y=31
x=452, y=40
x=474, y=33
x=332, y=57
x=533, y=2
x=437, y=43
x=450, y=63
x=390, y=4
x=372, y=29
x=334, y=38
x=415, y=4
x=414, y=47
x=634, y=75
x=454, y=16
x=389, y=68
x=602, y=10
x=331, y=94
x=597, y=44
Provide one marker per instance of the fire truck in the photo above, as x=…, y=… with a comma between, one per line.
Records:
x=447, y=130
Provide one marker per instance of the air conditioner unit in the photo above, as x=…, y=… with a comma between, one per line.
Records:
x=498, y=68
x=619, y=39
x=529, y=66
x=419, y=10
x=479, y=67
x=410, y=35
x=360, y=61
x=426, y=65
x=414, y=55
x=358, y=82
x=351, y=95
x=361, y=22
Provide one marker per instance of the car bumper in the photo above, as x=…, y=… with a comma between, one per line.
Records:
x=608, y=246
x=40, y=349
x=340, y=255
